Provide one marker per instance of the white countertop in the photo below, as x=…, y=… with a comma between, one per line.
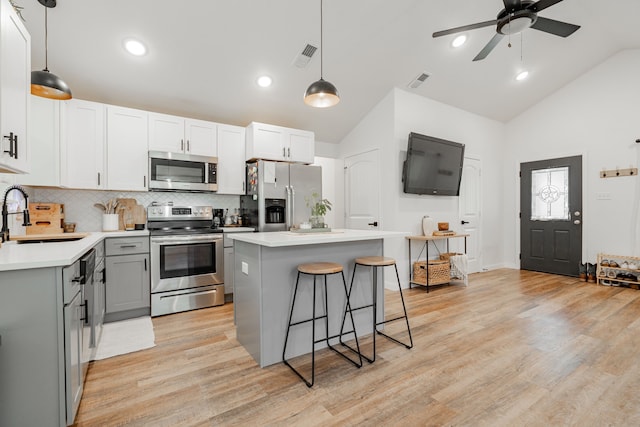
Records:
x=14, y=256
x=237, y=229
x=287, y=238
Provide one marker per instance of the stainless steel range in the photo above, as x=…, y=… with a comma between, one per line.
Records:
x=187, y=266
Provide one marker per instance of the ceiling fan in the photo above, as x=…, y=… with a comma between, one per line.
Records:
x=517, y=16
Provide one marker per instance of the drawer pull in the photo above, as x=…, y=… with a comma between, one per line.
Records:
x=127, y=246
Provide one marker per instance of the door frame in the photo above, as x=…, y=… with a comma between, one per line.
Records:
x=585, y=199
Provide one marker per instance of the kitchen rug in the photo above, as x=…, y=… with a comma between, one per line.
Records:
x=125, y=336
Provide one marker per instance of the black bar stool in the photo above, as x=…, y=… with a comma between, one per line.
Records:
x=377, y=261
x=320, y=269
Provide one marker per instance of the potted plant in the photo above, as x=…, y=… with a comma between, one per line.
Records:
x=319, y=208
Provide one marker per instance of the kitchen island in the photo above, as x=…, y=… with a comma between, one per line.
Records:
x=265, y=273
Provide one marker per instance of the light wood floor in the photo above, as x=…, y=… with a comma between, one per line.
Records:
x=511, y=349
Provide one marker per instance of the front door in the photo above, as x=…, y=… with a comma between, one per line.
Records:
x=551, y=215
x=362, y=191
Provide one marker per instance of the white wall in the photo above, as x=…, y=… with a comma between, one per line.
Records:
x=387, y=127
x=595, y=116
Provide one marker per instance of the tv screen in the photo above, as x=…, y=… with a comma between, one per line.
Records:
x=433, y=166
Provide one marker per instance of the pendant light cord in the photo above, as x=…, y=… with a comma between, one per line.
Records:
x=321, y=44
x=46, y=41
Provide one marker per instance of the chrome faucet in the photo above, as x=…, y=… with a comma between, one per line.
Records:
x=5, y=212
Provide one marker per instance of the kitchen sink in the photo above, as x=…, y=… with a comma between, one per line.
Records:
x=49, y=238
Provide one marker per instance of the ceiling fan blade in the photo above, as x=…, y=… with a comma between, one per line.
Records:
x=512, y=5
x=489, y=47
x=542, y=4
x=465, y=28
x=554, y=27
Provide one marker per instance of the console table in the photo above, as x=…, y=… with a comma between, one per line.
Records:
x=426, y=240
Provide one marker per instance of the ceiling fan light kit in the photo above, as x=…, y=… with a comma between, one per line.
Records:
x=44, y=83
x=321, y=93
x=517, y=16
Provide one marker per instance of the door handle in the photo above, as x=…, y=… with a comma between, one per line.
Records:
x=374, y=223
x=463, y=222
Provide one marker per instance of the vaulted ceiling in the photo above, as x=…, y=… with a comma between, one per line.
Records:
x=205, y=55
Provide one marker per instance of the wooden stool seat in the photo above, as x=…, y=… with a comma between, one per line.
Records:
x=320, y=268
x=375, y=261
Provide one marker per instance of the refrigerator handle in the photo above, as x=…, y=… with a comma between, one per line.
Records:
x=288, y=204
x=293, y=205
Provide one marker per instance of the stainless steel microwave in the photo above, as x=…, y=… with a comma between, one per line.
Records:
x=182, y=172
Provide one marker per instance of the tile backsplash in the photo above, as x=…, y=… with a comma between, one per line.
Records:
x=78, y=204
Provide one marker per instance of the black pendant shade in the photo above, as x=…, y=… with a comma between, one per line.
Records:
x=321, y=94
x=48, y=85
x=44, y=83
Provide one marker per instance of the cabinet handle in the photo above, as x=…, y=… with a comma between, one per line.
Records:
x=10, y=138
x=145, y=264
x=127, y=246
x=243, y=186
x=104, y=275
x=15, y=149
x=284, y=152
x=98, y=178
x=188, y=149
x=86, y=311
x=289, y=152
x=182, y=144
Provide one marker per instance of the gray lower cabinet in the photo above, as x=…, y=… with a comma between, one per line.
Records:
x=42, y=338
x=128, y=287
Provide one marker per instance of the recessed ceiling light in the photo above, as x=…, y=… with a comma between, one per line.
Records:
x=522, y=75
x=264, y=81
x=135, y=47
x=459, y=41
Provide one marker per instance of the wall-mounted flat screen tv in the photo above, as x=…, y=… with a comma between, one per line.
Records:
x=433, y=166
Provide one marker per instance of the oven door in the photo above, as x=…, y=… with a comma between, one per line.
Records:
x=186, y=261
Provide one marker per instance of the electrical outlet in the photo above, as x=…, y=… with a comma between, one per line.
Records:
x=245, y=268
x=603, y=196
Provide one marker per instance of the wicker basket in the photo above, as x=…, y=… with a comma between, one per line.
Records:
x=447, y=255
x=439, y=272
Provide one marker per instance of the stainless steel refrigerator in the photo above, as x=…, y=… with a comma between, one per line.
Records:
x=277, y=194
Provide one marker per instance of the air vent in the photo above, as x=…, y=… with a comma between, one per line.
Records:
x=418, y=80
x=303, y=59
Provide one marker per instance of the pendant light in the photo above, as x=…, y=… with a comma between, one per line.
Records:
x=44, y=83
x=321, y=94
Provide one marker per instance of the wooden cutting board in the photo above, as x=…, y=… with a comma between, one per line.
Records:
x=139, y=215
x=126, y=207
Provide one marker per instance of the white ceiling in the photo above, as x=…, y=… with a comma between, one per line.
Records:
x=205, y=55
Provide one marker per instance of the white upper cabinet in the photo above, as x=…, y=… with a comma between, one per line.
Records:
x=271, y=142
x=82, y=144
x=180, y=135
x=231, y=160
x=201, y=137
x=15, y=83
x=127, y=149
x=44, y=139
x=300, y=146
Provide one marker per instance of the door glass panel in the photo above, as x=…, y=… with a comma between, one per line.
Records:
x=550, y=194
